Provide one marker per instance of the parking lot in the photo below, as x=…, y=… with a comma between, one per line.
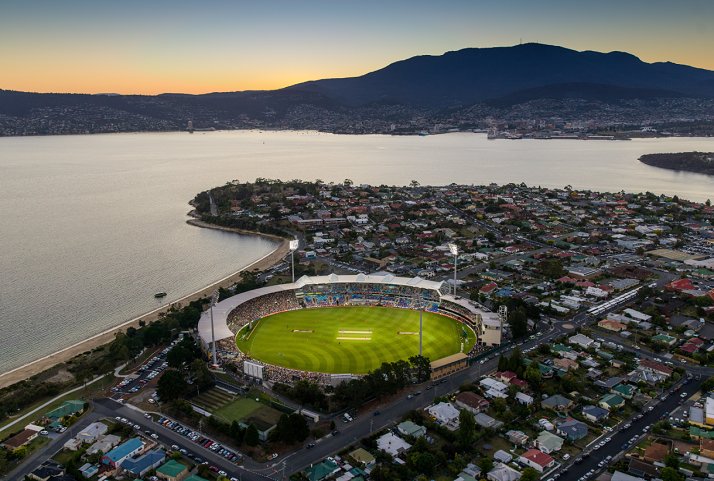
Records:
x=148, y=371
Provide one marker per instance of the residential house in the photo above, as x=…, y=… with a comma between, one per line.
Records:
x=408, y=428
x=392, y=444
x=610, y=325
x=486, y=421
x=503, y=472
x=104, y=444
x=471, y=402
x=322, y=470
x=88, y=470
x=620, y=476
x=502, y=456
x=557, y=402
x=627, y=391
x=654, y=366
x=524, y=398
x=48, y=469
x=125, y=450
x=572, y=429
x=92, y=432
x=144, y=463
x=581, y=340
x=565, y=364
x=20, y=439
x=363, y=457
x=549, y=442
x=519, y=438
x=594, y=413
x=172, y=471
x=445, y=414
x=611, y=401
x=537, y=460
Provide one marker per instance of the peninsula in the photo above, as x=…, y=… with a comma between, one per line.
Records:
x=699, y=162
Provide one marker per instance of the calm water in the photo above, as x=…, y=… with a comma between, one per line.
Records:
x=92, y=226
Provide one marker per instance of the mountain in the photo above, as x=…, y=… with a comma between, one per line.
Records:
x=465, y=89
x=472, y=75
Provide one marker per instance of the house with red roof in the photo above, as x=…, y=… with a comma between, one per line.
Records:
x=656, y=367
x=488, y=288
x=505, y=376
x=537, y=460
x=680, y=285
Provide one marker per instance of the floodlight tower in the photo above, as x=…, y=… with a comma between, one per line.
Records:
x=420, y=305
x=214, y=358
x=294, y=244
x=454, y=249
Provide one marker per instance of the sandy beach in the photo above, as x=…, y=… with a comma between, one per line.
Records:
x=63, y=355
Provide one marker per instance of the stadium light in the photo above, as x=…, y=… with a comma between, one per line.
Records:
x=214, y=300
x=454, y=249
x=294, y=244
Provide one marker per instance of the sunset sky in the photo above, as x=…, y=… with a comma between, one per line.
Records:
x=154, y=46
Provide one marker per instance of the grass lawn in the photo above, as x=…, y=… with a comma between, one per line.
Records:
x=84, y=393
x=249, y=411
x=238, y=409
x=351, y=339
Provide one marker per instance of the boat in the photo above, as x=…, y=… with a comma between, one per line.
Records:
x=159, y=295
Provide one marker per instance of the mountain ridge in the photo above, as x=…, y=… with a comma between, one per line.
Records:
x=467, y=88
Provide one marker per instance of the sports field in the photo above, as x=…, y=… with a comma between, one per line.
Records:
x=350, y=339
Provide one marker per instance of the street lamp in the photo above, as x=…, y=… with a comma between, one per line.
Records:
x=454, y=249
x=294, y=244
x=214, y=358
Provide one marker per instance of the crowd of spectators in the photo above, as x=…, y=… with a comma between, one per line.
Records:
x=260, y=307
x=457, y=312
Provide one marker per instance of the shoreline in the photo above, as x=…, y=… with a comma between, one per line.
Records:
x=46, y=362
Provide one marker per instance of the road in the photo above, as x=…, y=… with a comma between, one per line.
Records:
x=613, y=448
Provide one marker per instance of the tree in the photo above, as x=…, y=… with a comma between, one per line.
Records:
x=671, y=474
x=422, y=462
x=179, y=356
x=551, y=268
x=502, y=363
x=518, y=321
x=533, y=377
x=672, y=461
x=202, y=377
x=708, y=385
x=309, y=393
x=421, y=367
x=530, y=474
x=291, y=428
x=251, y=436
x=467, y=429
x=486, y=464
x=171, y=386
x=515, y=361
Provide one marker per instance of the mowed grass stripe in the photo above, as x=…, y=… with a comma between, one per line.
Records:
x=273, y=340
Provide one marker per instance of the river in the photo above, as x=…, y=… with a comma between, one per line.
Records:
x=92, y=226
